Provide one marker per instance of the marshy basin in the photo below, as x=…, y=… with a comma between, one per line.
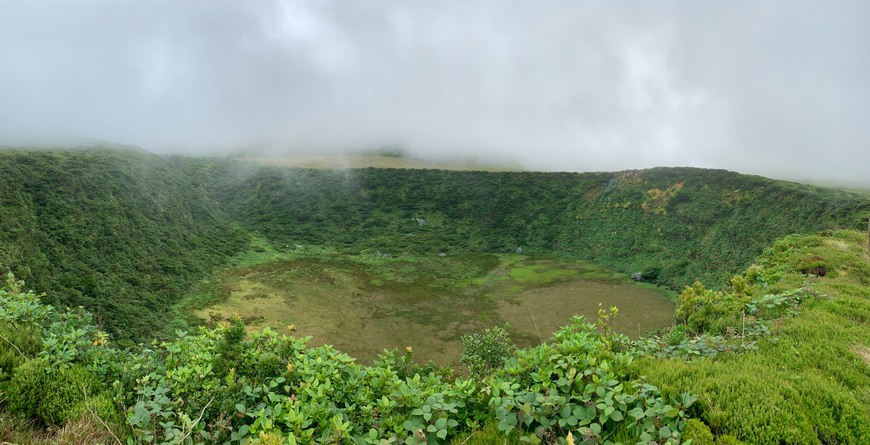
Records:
x=362, y=305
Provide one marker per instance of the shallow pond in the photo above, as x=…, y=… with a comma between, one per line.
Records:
x=363, y=305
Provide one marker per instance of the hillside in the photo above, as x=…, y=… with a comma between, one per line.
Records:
x=122, y=233
x=808, y=384
x=125, y=233
x=675, y=224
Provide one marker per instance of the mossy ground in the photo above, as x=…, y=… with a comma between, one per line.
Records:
x=366, y=303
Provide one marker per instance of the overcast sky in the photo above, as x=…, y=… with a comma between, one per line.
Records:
x=779, y=88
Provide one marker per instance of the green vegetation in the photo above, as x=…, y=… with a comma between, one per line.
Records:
x=802, y=376
x=677, y=225
x=270, y=388
x=125, y=233
x=485, y=352
x=811, y=382
x=122, y=233
x=792, y=369
x=777, y=354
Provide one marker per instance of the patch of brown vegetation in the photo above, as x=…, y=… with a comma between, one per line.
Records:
x=362, y=312
x=592, y=194
x=813, y=265
x=863, y=352
x=837, y=244
x=84, y=431
x=630, y=177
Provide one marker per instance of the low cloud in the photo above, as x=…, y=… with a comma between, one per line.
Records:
x=773, y=88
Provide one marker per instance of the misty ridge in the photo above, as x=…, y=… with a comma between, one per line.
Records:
x=775, y=89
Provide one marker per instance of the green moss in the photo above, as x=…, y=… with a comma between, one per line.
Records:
x=539, y=273
x=697, y=432
x=28, y=387
x=17, y=344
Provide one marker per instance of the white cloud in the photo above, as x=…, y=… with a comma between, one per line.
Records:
x=776, y=88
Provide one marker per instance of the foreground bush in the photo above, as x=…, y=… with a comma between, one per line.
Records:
x=52, y=396
x=222, y=385
x=578, y=382
x=266, y=386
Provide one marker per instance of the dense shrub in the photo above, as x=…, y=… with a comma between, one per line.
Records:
x=66, y=394
x=698, y=433
x=52, y=396
x=28, y=386
x=485, y=352
x=17, y=344
x=576, y=382
x=119, y=232
x=707, y=311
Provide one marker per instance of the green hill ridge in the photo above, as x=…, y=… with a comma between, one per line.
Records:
x=678, y=224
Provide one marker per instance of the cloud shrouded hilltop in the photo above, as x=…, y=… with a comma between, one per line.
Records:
x=775, y=88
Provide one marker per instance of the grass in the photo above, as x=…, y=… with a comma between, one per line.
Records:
x=86, y=430
x=539, y=273
x=810, y=385
x=367, y=303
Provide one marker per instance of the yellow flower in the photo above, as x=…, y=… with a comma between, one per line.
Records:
x=102, y=338
x=290, y=367
x=409, y=349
